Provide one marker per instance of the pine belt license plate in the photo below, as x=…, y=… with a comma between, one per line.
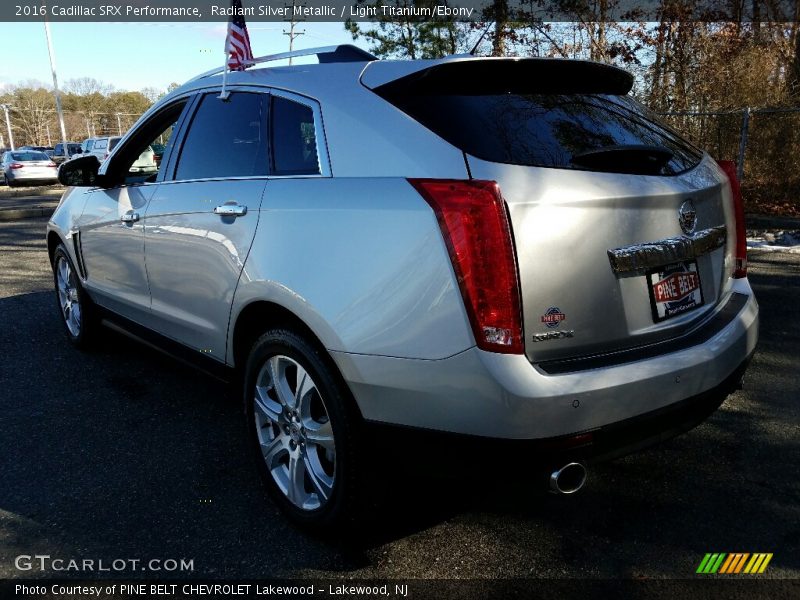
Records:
x=674, y=290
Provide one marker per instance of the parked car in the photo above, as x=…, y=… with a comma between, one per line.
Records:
x=497, y=261
x=102, y=147
x=63, y=152
x=27, y=167
x=37, y=148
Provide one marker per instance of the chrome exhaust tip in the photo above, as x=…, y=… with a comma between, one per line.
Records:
x=568, y=479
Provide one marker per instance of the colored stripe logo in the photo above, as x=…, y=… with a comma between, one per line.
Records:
x=734, y=563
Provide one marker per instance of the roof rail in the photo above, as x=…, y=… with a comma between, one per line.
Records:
x=325, y=54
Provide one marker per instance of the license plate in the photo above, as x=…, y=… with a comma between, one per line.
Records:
x=674, y=290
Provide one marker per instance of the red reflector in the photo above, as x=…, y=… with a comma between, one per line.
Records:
x=16, y=165
x=740, y=254
x=474, y=223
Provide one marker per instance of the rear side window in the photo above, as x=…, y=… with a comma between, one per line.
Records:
x=226, y=138
x=294, y=139
x=100, y=144
x=602, y=132
x=113, y=142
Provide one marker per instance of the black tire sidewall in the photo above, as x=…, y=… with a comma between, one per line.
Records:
x=340, y=508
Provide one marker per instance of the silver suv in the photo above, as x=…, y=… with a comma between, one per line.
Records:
x=507, y=257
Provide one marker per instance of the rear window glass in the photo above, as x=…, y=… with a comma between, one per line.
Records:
x=113, y=142
x=550, y=130
x=29, y=156
x=294, y=140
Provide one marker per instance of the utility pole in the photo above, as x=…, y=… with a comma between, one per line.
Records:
x=56, y=91
x=292, y=23
x=5, y=108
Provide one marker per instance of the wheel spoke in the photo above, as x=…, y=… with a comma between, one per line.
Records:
x=266, y=407
x=277, y=373
x=322, y=482
x=272, y=451
x=296, y=484
x=305, y=386
x=319, y=434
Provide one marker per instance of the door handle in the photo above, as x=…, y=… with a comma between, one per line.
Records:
x=129, y=217
x=231, y=210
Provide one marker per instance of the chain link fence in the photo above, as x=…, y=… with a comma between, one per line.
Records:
x=765, y=143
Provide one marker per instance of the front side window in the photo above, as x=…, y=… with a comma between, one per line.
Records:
x=294, y=138
x=226, y=138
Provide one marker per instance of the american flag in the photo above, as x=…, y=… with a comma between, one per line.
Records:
x=237, y=44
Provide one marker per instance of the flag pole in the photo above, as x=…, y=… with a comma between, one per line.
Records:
x=223, y=94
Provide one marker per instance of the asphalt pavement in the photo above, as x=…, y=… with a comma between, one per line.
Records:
x=124, y=453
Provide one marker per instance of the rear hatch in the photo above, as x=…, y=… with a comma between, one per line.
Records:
x=622, y=228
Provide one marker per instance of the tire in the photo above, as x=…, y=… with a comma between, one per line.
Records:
x=306, y=449
x=81, y=325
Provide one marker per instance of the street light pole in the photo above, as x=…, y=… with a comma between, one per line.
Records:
x=5, y=108
x=55, y=83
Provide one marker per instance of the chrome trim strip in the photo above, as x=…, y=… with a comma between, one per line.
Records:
x=641, y=258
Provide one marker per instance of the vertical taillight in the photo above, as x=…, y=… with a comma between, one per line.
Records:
x=740, y=254
x=474, y=222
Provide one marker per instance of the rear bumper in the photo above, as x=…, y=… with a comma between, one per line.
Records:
x=456, y=454
x=504, y=396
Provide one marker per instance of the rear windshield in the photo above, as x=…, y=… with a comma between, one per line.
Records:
x=113, y=142
x=551, y=130
x=29, y=156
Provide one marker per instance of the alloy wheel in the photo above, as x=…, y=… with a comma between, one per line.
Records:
x=68, y=298
x=294, y=432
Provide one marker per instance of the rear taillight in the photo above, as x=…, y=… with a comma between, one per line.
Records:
x=105, y=156
x=16, y=165
x=740, y=254
x=474, y=222
x=52, y=164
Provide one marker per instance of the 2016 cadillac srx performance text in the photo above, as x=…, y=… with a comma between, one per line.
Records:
x=485, y=252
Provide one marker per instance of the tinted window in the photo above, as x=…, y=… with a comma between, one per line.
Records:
x=29, y=156
x=294, y=141
x=549, y=130
x=113, y=142
x=226, y=138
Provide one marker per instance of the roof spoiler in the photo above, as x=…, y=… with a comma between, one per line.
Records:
x=504, y=76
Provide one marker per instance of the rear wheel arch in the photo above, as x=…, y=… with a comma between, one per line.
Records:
x=260, y=316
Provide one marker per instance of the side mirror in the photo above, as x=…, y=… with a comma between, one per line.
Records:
x=81, y=172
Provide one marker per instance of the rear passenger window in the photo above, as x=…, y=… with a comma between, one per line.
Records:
x=100, y=144
x=226, y=138
x=294, y=140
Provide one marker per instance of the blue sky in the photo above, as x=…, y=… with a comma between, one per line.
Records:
x=131, y=56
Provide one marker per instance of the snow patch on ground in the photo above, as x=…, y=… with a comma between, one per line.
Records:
x=774, y=241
